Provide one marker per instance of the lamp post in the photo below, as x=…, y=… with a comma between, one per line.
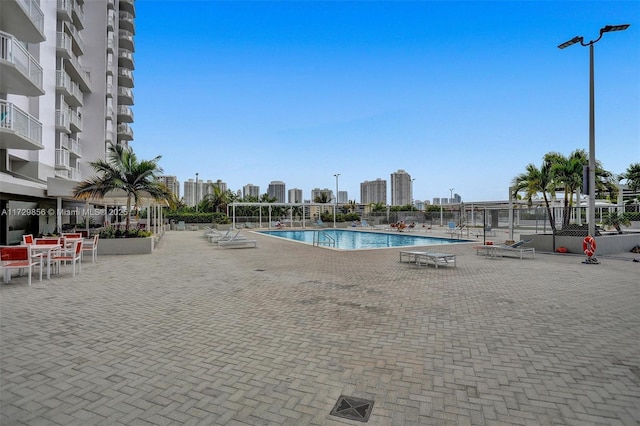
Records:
x=412, y=180
x=451, y=196
x=335, y=207
x=195, y=193
x=592, y=137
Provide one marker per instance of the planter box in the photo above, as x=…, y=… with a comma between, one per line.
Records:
x=606, y=244
x=107, y=246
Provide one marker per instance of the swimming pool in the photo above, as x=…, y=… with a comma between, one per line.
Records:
x=354, y=240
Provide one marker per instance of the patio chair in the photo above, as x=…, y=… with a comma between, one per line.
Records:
x=27, y=239
x=237, y=241
x=74, y=256
x=91, y=245
x=18, y=257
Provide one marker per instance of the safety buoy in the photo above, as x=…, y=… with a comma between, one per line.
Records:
x=589, y=245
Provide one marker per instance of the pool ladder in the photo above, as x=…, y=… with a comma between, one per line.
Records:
x=324, y=239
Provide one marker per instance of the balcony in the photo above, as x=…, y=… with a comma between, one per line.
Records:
x=63, y=9
x=77, y=15
x=73, y=96
x=62, y=159
x=64, y=45
x=75, y=121
x=125, y=77
x=76, y=38
x=125, y=40
x=127, y=22
x=74, y=174
x=125, y=114
x=75, y=148
x=24, y=19
x=128, y=6
x=18, y=129
x=63, y=121
x=125, y=133
x=125, y=96
x=21, y=73
x=125, y=59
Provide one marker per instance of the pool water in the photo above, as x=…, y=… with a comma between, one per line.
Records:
x=354, y=240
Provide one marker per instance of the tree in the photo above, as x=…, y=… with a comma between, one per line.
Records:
x=216, y=201
x=616, y=219
x=632, y=175
x=566, y=173
x=534, y=181
x=377, y=207
x=123, y=171
x=323, y=198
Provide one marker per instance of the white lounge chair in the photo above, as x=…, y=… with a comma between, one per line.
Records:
x=499, y=250
x=237, y=241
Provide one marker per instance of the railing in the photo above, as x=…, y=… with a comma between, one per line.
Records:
x=62, y=158
x=125, y=111
x=65, y=6
x=62, y=119
x=76, y=120
x=63, y=41
x=324, y=239
x=24, y=124
x=75, y=147
x=74, y=173
x=13, y=51
x=63, y=80
x=35, y=13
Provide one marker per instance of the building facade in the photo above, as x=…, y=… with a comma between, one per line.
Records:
x=251, y=190
x=317, y=193
x=172, y=183
x=401, y=188
x=66, y=91
x=277, y=189
x=373, y=192
x=295, y=195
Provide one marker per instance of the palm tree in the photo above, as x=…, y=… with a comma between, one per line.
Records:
x=632, y=175
x=123, y=171
x=616, y=219
x=567, y=173
x=536, y=180
x=215, y=201
x=322, y=198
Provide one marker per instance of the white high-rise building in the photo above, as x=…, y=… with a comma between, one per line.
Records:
x=277, y=190
x=295, y=195
x=343, y=197
x=317, y=193
x=172, y=183
x=373, y=192
x=401, y=191
x=251, y=190
x=66, y=91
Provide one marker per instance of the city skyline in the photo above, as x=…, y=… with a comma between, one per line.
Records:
x=462, y=94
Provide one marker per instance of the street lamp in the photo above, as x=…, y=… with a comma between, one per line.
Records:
x=592, y=137
x=412, y=200
x=195, y=193
x=335, y=208
x=451, y=197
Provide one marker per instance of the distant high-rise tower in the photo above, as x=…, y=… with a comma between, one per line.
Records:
x=373, y=192
x=172, y=183
x=277, y=189
x=295, y=195
x=343, y=197
x=251, y=190
x=317, y=193
x=401, y=191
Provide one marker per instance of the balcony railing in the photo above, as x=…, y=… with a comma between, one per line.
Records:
x=62, y=121
x=125, y=59
x=126, y=40
x=74, y=173
x=77, y=38
x=75, y=121
x=78, y=15
x=75, y=147
x=24, y=131
x=65, y=141
x=125, y=77
x=125, y=114
x=15, y=53
x=64, y=44
x=73, y=94
x=125, y=132
x=32, y=11
x=127, y=21
x=62, y=159
x=125, y=96
x=64, y=8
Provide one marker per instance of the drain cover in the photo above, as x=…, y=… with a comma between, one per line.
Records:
x=352, y=408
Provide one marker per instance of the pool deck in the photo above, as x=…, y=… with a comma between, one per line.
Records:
x=274, y=335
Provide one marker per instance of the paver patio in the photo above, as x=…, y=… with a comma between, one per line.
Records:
x=192, y=334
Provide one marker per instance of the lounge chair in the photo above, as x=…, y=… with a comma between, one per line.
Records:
x=237, y=241
x=502, y=249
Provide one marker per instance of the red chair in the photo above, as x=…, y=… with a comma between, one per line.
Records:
x=17, y=257
x=74, y=256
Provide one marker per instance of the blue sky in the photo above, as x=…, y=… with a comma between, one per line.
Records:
x=459, y=94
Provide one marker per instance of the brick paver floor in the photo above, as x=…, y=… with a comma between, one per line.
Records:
x=196, y=335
